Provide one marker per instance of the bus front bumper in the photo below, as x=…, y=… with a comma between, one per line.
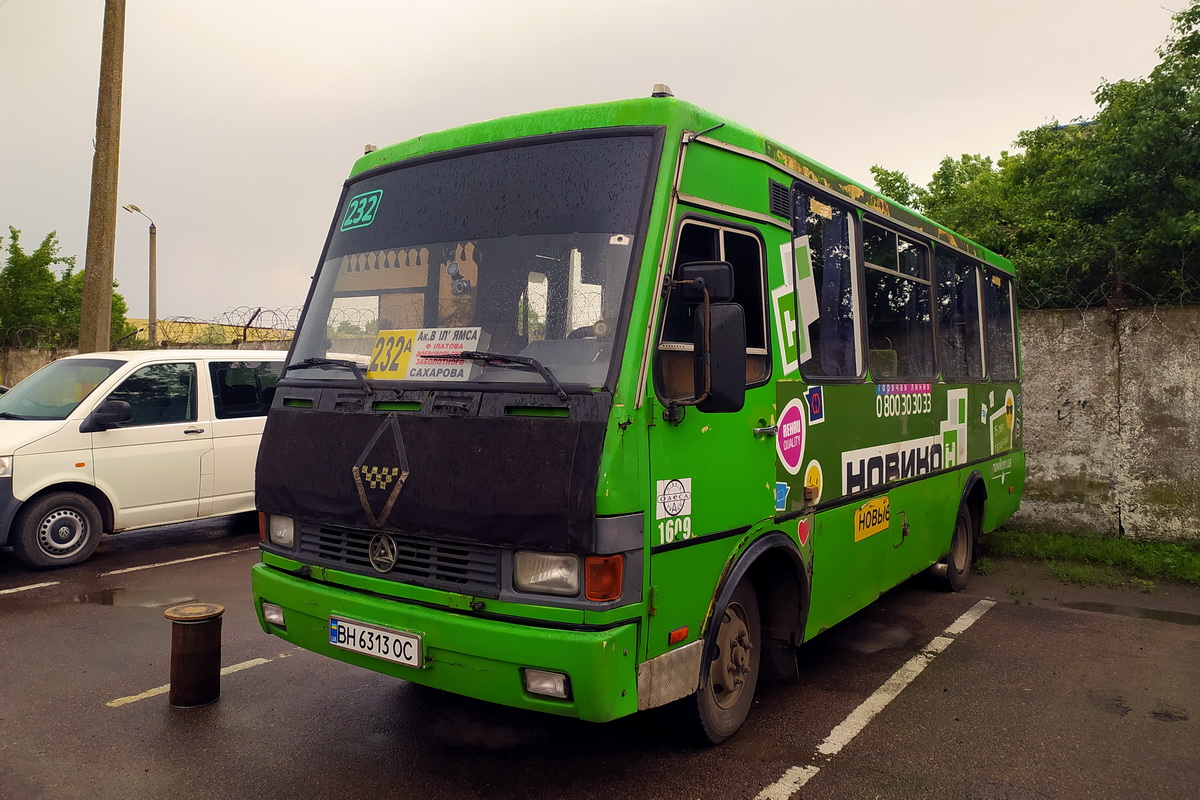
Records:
x=463, y=653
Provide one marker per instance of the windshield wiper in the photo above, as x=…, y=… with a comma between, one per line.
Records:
x=500, y=360
x=10, y=415
x=340, y=363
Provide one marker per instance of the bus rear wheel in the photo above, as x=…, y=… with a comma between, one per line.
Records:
x=728, y=684
x=962, y=547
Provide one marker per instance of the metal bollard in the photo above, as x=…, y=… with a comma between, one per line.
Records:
x=195, y=654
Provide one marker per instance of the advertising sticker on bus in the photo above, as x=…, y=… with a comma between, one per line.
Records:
x=789, y=439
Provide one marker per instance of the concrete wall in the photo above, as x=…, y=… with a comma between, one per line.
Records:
x=17, y=365
x=1111, y=405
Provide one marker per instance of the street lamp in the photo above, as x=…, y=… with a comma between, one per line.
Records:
x=152, y=332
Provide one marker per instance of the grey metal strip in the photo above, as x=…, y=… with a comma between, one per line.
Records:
x=734, y=211
x=669, y=677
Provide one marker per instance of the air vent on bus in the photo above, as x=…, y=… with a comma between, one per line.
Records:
x=781, y=200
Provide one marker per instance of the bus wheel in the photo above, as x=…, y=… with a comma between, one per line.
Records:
x=727, y=691
x=57, y=530
x=962, y=545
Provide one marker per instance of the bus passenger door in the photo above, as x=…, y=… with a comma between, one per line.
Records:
x=712, y=473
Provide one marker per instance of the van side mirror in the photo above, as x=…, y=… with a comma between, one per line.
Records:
x=108, y=414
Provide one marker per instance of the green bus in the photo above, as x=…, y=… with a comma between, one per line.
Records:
x=611, y=407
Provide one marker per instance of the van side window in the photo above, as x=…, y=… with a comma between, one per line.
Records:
x=998, y=319
x=961, y=341
x=824, y=240
x=243, y=388
x=160, y=394
x=703, y=241
x=899, y=307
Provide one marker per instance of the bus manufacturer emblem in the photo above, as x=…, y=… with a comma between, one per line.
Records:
x=382, y=553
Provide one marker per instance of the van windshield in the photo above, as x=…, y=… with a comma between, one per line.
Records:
x=523, y=251
x=54, y=391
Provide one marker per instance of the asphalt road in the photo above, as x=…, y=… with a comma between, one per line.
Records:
x=1050, y=692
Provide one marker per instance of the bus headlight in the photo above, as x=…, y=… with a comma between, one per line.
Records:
x=281, y=530
x=6, y=466
x=546, y=573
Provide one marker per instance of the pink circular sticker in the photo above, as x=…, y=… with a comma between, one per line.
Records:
x=789, y=439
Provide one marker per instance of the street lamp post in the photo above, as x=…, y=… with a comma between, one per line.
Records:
x=152, y=327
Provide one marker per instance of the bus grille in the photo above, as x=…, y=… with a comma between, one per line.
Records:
x=421, y=560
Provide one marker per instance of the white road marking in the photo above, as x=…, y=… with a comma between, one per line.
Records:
x=789, y=784
x=157, y=690
x=30, y=586
x=845, y=731
x=176, y=561
x=850, y=727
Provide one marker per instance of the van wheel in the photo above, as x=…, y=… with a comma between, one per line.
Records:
x=57, y=530
x=962, y=547
x=727, y=689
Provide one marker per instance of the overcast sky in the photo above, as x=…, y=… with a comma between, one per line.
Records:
x=241, y=118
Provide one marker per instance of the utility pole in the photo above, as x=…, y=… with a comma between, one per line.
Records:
x=95, y=319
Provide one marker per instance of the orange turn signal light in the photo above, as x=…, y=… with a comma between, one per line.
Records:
x=262, y=527
x=678, y=635
x=602, y=577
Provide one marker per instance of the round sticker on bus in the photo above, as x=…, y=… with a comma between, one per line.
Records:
x=789, y=439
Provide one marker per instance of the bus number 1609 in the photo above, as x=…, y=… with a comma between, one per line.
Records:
x=675, y=528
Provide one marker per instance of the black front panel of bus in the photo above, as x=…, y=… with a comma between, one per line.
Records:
x=511, y=481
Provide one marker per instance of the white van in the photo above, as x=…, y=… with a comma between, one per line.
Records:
x=113, y=441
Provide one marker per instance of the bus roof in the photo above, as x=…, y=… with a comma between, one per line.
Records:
x=676, y=116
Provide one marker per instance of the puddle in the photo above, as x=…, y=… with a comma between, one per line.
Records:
x=1178, y=617
x=125, y=597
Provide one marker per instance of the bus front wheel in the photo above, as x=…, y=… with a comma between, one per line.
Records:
x=727, y=688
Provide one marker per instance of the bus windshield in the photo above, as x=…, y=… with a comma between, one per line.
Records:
x=521, y=251
x=57, y=389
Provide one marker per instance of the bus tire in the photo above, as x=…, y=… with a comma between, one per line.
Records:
x=728, y=683
x=57, y=530
x=962, y=548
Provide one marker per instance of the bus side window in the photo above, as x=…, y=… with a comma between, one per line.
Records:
x=998, y=317
x=960, y=344
x=702, y=241
x=899, y=310
x=824, y=235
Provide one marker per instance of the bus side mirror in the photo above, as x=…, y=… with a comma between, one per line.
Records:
x=722, y=352
x=108, y=414
x=715, y=276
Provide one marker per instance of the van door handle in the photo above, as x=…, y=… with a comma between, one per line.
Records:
x=194, y=430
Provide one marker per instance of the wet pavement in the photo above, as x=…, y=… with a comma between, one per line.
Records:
x=1053, y=692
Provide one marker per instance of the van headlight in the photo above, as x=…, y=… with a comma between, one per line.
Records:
x=546, y=573
x=6, y=466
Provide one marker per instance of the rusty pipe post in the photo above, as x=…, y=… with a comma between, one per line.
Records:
x=195, y=654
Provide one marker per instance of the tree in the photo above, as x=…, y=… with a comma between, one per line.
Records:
x=40, y=308
x=1094, y=211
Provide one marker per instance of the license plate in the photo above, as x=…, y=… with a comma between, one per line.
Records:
x=371, y=640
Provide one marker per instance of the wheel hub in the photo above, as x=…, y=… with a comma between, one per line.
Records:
x=61, y=533
x=730, y=667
